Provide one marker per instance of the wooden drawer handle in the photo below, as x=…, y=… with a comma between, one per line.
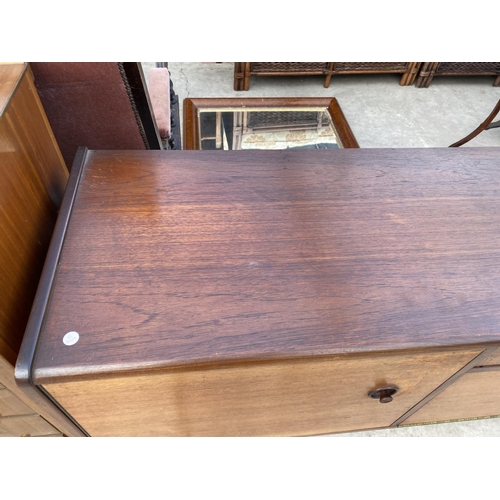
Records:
x=384, y=394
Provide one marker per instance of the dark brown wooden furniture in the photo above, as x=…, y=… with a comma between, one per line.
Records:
x=106, y=105
x=257, y=115
x=244, y=70
x=429, y=70
x=271, y=292
x=33, y=178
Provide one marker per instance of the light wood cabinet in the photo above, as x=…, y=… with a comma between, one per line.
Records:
x=33, y=179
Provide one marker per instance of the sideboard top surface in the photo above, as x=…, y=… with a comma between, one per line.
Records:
x=174, y=258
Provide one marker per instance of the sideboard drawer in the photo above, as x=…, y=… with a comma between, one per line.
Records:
x=491, y=360
x=476, y=394
x=295, y=397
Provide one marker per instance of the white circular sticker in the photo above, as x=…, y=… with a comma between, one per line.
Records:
x=71, y=338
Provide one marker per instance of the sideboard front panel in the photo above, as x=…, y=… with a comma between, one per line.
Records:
x=299, y=397
x=476, y=394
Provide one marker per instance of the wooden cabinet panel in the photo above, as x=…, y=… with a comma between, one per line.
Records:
x=492, y=359
x=32, y=182
x=26, y=425
x=277, y=398
x=11, y=405
x=51, y=415
x=476, y=394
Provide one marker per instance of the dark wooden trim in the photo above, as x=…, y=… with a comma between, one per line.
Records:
x=467, y=368
x=342, y=125
x=192, y=107
x=137, y=82
x=135, y=370
x=190, y=136
x=23, y=372
x=292, y=73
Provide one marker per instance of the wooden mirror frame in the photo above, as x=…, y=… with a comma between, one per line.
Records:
x=193, y=106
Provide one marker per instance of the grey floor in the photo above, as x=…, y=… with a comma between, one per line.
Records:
x=382, y=114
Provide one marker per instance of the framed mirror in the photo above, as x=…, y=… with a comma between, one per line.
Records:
x=229, y=124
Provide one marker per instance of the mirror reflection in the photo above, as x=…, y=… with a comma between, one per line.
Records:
x=261, y=128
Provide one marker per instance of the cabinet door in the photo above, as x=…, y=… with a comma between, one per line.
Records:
x=294, y=397
x=476, y=394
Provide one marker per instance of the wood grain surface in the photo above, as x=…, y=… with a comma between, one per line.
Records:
x=12, y=405
x=476, y=394
x=10, y=75
x=60, y=422
x=492, y=360
x=284, y=398
x=32, y=182
x=26, y=426
x=181, y=258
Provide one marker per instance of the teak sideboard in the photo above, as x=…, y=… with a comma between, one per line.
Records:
x=195, y=293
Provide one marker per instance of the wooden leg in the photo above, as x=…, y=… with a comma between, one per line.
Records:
x=238, y=76
x=496, y=83
x=328, y=75
x=426, y=74
x=246, y=76
x=408, y=78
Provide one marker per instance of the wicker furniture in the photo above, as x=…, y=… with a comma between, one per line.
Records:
x=244, y=70
x=429, y=70
x=486, y=125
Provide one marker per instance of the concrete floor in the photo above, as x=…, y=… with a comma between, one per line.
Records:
x=382, y=114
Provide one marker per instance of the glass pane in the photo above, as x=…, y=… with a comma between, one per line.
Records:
x=267, y=128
